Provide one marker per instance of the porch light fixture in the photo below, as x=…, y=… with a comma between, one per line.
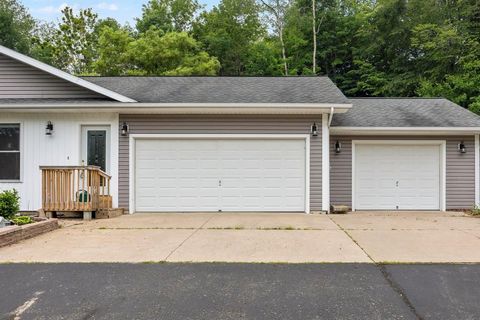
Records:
x=124, y=129
x=338, y=147
x=314, y=130
x=462, y=148
x=49, y=128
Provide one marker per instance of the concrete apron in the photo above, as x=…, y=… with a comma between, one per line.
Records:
x=289, y=238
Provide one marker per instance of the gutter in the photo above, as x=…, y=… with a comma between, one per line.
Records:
x=186, y=108
x=404, y=130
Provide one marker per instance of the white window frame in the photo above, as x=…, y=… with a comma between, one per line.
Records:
x=443, y=163
x=134, y=137
x=20, y=124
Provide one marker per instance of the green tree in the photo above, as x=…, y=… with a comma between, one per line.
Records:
x=175, y=53
x=168, y=15
x=276, y=17
x=16, y=26
x=264, y=59
x=113, y=56
x=228, y=31
x=73, y=43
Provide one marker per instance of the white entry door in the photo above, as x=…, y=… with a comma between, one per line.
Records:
x=188, y=175
x=397, y=177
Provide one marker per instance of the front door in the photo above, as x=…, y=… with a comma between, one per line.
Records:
x=94, y=145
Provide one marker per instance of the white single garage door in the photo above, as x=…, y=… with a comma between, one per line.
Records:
x=397, y=177
x=187, y=175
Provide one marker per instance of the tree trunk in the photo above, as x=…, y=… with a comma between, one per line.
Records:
x=314, y=29
x=284, y=54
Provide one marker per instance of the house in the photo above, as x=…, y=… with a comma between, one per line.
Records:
x=278, y=144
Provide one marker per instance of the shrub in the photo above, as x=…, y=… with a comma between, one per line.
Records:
x=475, y=211
x=20, y=221
x=9, y=203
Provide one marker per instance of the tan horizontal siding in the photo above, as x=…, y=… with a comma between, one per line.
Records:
x=19, y=80
x=171, y=124
x=460, y=180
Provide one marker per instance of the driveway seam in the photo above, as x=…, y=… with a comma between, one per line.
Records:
x=351, y=238
x=187, y=238
x=399, y=290
x=392, y=284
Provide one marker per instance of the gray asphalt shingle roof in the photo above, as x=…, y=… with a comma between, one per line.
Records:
x=224, y=89
x=405, y=112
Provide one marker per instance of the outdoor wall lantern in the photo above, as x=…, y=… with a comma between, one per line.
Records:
x=314, y=130
x=338, y=147
x=49, y=128
x=124, y=129
x=461, y=147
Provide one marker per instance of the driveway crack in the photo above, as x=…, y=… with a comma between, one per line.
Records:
x=187, y=238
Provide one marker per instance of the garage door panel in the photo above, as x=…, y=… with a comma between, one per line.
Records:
x=227, y=175
x=389, y=177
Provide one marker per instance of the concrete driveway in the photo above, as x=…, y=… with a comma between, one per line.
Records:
x=292, y=238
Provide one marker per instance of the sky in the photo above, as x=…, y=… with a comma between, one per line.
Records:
x=122, y=10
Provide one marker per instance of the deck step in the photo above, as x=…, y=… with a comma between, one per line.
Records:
x=109, y=213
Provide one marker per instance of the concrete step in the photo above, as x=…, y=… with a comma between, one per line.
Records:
x=339, y=209
x=109, y=213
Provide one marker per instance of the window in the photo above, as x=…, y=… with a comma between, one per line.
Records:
x=9, y=152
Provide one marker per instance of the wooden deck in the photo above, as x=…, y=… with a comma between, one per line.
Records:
x=75, y=189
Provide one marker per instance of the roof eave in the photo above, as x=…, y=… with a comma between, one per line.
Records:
x=404, y=130
x=183, y=108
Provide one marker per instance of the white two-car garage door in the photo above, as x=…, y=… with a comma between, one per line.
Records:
x=188, y=175
x=397, y=177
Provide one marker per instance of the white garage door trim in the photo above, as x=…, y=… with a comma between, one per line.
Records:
x=134, y=137
x=443, y=157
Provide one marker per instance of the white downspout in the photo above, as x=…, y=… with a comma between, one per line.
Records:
x=326, y=122
x=332, y=110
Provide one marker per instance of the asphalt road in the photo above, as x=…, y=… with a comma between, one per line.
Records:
x=239, y=291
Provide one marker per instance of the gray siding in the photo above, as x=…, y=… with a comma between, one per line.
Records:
x=460, y=184
x=161, y=124
x=19, y=80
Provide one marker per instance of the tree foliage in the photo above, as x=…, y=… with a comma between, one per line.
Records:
x=16, y=26
x=168, y=15
x=228, y=31
x=368, y=47
x=152, y=53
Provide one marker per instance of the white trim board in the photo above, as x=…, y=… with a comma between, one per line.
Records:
x=84, y=144
x=477, y=170
x=325, y=164
x=404, y=130
x=134, y=137
x=22, y=151
x=63, y=75
x=180, y=108
x=443, y=163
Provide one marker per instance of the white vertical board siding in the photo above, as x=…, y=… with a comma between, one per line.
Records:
x=221, y=124
x=460, y=169
x=63, y=148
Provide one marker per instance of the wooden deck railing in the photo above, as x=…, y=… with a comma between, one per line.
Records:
x=83, y=188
